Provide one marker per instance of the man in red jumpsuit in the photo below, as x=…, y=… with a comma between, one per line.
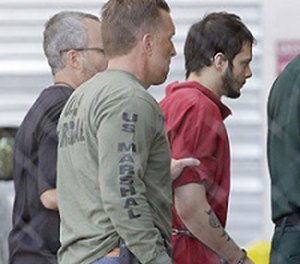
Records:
x=218, y=52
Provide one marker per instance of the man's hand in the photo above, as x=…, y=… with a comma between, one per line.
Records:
x=177, y=166
x=49, y=199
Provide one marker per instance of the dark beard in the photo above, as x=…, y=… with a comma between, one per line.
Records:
x=230, y=85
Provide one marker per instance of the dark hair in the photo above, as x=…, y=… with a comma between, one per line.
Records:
x=124, y=20
x=216, y=32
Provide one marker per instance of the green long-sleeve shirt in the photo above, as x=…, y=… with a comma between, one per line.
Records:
x=113, y=172
x=284, y=141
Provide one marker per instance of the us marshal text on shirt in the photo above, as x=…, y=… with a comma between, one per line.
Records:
x=71, y=131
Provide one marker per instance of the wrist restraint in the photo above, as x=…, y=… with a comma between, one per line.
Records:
x=243, y=257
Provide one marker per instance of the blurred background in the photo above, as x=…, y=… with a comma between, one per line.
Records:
x=24, y=73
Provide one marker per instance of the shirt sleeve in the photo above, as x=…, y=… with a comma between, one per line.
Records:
x=47, y=154
x=125, y=136
x=192, y=131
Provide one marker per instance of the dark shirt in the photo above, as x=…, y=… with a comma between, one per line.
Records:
x=35, y=234
x=284, y=141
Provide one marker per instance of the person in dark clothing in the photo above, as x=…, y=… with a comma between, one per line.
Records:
x=283, y=152
x=73, y=46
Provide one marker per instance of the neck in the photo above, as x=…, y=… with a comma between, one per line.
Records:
x=208, y=79
x=134, y=63
x=65, y=78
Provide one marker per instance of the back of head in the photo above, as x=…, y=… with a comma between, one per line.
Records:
x=64, y=31
x=123, y=21
x=216, y=32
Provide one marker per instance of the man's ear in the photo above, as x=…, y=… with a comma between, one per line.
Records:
x=220, y=62
x=74, y=59
x=148, y=43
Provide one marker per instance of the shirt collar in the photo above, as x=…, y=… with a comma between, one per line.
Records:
x=225, y=111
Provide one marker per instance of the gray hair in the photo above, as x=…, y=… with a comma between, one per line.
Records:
x=64, y=31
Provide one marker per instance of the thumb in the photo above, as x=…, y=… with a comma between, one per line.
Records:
x=189, y=162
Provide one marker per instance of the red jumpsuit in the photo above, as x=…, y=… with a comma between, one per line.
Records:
x=194, y=125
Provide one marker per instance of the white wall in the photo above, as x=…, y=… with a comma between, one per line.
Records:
x=281, y=22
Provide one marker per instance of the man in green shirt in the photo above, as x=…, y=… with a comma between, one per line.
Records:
x=284, y=163
x=113, y=155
